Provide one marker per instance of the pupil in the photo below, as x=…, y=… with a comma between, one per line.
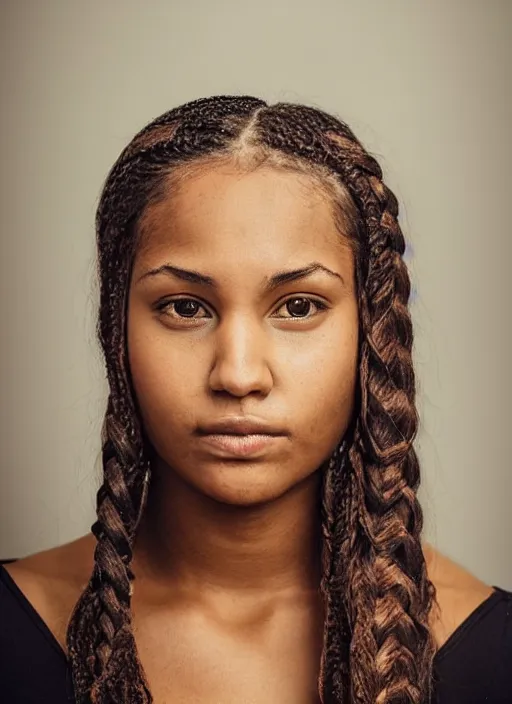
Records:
x=186, y=308
x=298, y=306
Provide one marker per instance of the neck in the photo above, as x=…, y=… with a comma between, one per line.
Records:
x=189, y=540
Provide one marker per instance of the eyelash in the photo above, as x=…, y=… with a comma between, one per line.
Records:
x=161, y=307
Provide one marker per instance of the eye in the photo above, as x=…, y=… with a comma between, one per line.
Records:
x=299, y=306
x=187, y=308
x=182, y=308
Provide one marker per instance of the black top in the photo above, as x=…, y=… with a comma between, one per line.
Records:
x=474, y=666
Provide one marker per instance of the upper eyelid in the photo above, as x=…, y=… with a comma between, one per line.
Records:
x=192, y=297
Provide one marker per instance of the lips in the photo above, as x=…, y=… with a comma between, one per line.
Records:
x=241, y=425
x=225, y=445
x=240, y=436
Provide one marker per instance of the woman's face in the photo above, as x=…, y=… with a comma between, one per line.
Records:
x=235, y=341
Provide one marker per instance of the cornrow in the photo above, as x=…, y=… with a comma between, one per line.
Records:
x=377, y=645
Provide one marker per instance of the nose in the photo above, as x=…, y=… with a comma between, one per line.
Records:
x=241, y=362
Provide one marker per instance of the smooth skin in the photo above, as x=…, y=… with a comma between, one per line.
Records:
x=226, y=560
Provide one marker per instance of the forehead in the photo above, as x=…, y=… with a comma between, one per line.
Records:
x=224, y=215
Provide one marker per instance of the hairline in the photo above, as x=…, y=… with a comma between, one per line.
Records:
x=248, y=160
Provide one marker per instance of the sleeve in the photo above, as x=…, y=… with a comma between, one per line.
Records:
x=31, y=670
x=477, y=665
x=503, y=671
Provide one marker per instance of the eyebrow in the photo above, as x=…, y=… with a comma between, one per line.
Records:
x=270, y=283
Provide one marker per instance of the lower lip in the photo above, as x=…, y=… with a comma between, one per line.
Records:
x=240, y=445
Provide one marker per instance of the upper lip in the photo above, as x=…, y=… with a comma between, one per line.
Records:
x=241, y=425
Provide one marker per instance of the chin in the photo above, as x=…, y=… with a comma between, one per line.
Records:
x=244, y=483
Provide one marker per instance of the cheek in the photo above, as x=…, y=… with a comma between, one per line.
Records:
x=330, y=392
x=324, y=384
x=165, y=380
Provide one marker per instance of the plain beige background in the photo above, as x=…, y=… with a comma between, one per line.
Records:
x=425, y=85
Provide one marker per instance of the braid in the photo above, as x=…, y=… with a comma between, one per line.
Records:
x=390, y=595
x=334, y=676
x=106, y=655
x=377, y=646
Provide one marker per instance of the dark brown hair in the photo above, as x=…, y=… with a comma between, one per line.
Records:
x=377, y=644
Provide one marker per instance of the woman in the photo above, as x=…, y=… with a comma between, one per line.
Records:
x=258, y=533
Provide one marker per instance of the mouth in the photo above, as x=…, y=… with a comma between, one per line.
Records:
x=241, y=425
x=237, y=445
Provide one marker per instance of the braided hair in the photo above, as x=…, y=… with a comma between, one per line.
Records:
x=377, y=648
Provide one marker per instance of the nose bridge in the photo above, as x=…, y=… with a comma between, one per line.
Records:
x=241, y=364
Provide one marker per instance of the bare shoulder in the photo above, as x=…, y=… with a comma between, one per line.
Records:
x=52, y=580
x=458, y=593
